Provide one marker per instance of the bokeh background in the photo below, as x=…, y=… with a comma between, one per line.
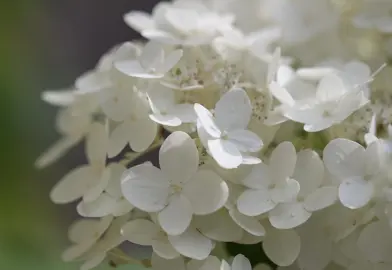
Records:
x=44, y=44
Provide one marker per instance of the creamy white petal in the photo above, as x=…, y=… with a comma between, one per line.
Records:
x=355, y=192
x=249, y=224
x=309, y=171
x=321, y=198
x=100, y=207
x=73, y=185
x=240, y=262
x=171, y=60
x=166, y=119
x=207, y=121
x=225, y=153
x=97, y=144
x=139, y=20
x=133, y=68
x=259, y=178
x=118, y=139
x=344, y=158
x=207, y=192
x=288, y=215
x=286, y=191
x=146, y=187
x=162, y=247
x=101, y=182
x=114, y=186
x=75, y=251
x=282, y=246
x=245, y=140
x=255, y=202
x=375, y=242
x=192, y=244
x=281, y=94
x=179, y=157
x=233, y=110
x=142, y=134
x=56, y=151
x=93, y=261
x=219, y=226
x=176, y=216
x=282, y=161
x=140, y=231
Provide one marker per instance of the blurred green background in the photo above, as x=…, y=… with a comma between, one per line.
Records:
x=44, y=44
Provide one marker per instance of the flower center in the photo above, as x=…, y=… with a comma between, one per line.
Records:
x=175, y=188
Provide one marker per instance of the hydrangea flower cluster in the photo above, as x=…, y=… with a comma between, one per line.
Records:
x=273, y=123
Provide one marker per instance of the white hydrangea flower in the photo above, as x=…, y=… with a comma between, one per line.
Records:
x=225, y=134
x=191, y=243
x=357, y=168
x=336, y=99
x=177, y=190
x=153, y=63
x=178, y=24
x=111, y=200
x=87, y=181
x=166, y=111
x=85, y=233
x=269, y=185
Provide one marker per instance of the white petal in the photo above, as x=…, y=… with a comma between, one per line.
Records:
x=166, y=120
x=282, y=161
x=192, y=244
x=94, y=261
x=152, y=56
x=288, y=215
x=118, y=139
x=210, y=263
x=146, y=187
x=139, y=20
x=116, y=103
x=101, y=182
x=161, y=36
x=249, y=224
x=159, y=263
x=140, y=231
x=245, y=140
x=97, y=144
x=259, y=178
x=207, y=121
x=225, y=266
x=344, y=158
x=59, y=98
x=281, y=94
x=55, y=152
x=100, y=207
x=87, y=229
x=185, y=112
x=171, y=60
x=255, y=202
x=73, y=186
x=176, y=217
x=282, y=246
x=375, y=242
x=219, y=226
x=314, y=74
x=163, y=248
x=114, y=186
x=142, y=134
x=286, y=191
x=356, y=192
x=331, y=87
x=134, y=69
x=91, y=81
x=321, y=198
x=240, y=262
x=233, y=110
x=309, y=171
x=225, y=153
x=207, y=192
x=75, y=251
x=179, y=157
